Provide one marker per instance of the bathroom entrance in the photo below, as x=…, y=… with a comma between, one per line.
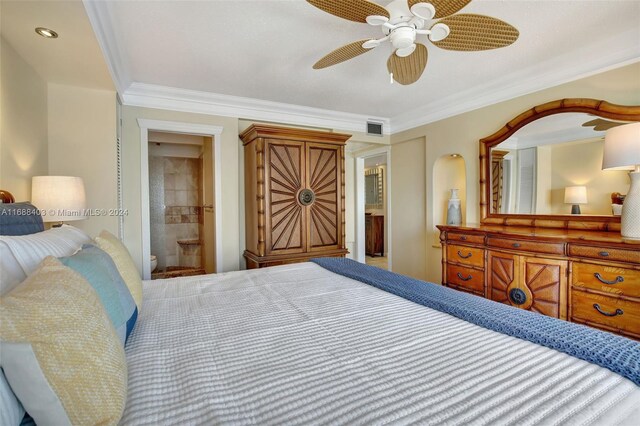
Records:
x=181, y=204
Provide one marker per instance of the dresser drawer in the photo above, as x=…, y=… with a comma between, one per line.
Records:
x=608, y=279
x=465, y=238
x=525, y=245
x=465, y=255
x=471, y=279
x=607, y=311
x=611, y=254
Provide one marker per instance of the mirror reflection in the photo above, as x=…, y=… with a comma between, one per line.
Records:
x=373, y=188
x=554, y=166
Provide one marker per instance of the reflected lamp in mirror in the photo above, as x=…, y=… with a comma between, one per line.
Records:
x=59, y=198
x=622, y=152
x=575, y=195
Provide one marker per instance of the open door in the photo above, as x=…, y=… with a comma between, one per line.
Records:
x=208, y=234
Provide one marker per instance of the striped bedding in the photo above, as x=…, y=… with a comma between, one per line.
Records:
x=298, y=344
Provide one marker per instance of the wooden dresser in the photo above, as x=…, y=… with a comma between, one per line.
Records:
x=374, y=234
x=589, y=277
x=294, y=195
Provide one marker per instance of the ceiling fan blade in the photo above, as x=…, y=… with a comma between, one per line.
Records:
x=471, y=32
x=353, y=10
x=443, y=7
x=601, y=125
x=342, y=54
x=408, y=70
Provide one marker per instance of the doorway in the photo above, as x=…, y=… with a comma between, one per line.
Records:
x=181, y=194
x=183, y=203
x=373, y=207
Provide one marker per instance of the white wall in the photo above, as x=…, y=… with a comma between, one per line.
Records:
x=460, y=134
x=82, y=142
x=23, y=124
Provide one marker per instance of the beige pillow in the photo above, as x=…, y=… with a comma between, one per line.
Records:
x=121, y=257
x=59, y=350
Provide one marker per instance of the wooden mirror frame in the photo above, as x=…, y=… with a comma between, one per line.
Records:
x=590, y=106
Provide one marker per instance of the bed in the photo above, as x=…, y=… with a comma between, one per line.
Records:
x=309, y=344
x=299, y=344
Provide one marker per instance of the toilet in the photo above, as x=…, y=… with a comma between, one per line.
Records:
x=154, y=262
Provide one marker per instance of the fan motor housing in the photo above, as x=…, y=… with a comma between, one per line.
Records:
x=403, y=37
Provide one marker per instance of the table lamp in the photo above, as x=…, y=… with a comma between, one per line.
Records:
x=59, y=198
x=575, y=195
x=622, y=152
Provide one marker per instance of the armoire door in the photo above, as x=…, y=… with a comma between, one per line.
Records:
x=284, y=178
x=324, y=179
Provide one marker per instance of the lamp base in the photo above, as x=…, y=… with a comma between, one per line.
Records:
x=630, y=221
x=575, y=209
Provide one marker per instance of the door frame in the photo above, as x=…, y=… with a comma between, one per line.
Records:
x=360, y=156
x=215, y=133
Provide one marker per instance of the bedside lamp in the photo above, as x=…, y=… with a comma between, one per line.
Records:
x=575, y=195
x=59, y=198
x=622, y=152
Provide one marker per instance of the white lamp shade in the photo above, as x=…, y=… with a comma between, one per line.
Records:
x=622, y=147
x=59, y=198
x=575, y=195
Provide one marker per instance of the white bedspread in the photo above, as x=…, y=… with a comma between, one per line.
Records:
x=297, y=344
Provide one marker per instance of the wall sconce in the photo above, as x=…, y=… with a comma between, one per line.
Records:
x=59, y=198
x=575, y=195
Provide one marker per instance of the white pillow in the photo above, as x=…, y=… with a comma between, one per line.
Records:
x=11, y=411
x=21, y=255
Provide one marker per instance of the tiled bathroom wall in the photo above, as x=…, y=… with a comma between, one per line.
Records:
x=180, y=213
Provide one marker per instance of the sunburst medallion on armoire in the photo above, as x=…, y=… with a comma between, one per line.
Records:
x=294, y=195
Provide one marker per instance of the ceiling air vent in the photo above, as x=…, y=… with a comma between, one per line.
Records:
x=374, y=128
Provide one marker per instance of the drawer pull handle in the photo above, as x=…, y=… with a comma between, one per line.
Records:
x=463, y=256
x=516, y=245
x=617, y=280
x=463, y=278
x=463, y=238
x=604, y=253
x=608, y=314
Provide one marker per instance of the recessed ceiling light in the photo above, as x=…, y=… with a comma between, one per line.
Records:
x=455, y=155
x=46, y=32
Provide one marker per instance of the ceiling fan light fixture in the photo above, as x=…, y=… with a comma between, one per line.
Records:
x=377, y=20
x=439, y=32
x=403, y=37
x=424, y=11
x=403, y=53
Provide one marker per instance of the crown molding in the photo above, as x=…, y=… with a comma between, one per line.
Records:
x=174, y=99
x=102, y=24
x=533, y=79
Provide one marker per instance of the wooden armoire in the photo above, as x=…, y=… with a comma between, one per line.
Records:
x=294, y=195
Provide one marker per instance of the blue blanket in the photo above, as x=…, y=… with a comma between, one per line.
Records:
x=607, y=350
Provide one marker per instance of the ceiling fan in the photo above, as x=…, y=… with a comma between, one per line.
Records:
x=602, y=125
x=402, y=21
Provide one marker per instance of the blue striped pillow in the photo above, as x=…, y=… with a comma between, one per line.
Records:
x=97, y=267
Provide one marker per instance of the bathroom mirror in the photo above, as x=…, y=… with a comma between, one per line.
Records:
x=531, y=168
x=373, y=188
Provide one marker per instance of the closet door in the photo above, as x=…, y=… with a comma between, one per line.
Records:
x=284, y=178
x=324, y=179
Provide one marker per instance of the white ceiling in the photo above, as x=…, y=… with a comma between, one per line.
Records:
x=265, y=50
x=73, y=58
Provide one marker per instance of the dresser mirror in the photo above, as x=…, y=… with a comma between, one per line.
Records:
x=547, y=163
